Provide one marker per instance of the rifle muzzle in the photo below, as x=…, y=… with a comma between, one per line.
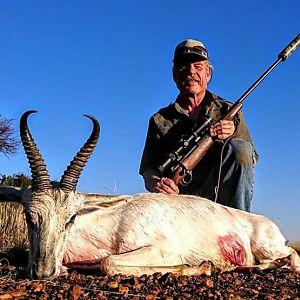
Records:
x=292, y=46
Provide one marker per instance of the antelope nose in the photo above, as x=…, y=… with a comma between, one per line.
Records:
x=43, y=273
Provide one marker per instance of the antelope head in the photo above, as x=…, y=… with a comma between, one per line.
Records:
x=50, y=210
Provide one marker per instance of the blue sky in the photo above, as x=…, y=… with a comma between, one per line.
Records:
x=113, y=59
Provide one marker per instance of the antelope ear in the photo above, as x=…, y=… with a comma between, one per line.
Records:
x=13, y=194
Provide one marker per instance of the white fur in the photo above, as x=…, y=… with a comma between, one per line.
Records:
x=157, y=230
x=147, y=233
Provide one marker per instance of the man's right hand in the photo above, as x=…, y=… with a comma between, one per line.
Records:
x=156, y=184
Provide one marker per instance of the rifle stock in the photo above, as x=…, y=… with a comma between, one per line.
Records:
x=182, y=165
x=192, y=160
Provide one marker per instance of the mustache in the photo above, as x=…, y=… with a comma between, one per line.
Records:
x=190, y=77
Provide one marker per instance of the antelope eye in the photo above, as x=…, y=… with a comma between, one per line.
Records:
x=72, y=220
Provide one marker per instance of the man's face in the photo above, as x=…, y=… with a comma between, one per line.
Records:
x=192, y=77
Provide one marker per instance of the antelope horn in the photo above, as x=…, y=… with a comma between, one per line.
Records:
x=39, y=172
x=70, y=178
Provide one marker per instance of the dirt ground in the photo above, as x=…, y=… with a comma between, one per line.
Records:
x=274, y=284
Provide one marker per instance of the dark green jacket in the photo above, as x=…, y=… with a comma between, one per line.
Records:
x=171, y=123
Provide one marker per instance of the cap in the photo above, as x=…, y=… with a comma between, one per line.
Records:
x=190, y=50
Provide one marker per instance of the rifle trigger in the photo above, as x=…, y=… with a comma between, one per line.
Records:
x=187, y=178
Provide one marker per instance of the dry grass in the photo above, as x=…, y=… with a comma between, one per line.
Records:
x=295, y=245
x=13, y=229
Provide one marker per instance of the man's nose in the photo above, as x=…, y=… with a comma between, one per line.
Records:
x=191, y=69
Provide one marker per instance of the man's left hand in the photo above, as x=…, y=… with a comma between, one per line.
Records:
x=223, y=129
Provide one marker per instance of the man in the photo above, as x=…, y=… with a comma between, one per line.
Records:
x=225, y=174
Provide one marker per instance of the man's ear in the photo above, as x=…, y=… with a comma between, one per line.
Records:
x=209, y=74
x=12, y=194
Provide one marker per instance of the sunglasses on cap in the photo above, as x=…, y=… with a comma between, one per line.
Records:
x=193, y=51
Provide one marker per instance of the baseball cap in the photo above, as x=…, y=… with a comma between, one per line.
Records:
x=190, y=50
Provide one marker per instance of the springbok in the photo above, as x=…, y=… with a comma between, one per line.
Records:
x=139, y=234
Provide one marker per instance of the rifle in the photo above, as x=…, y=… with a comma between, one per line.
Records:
x=182, y=161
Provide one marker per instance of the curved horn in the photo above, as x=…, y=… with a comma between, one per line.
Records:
x=39, y=172
x=70, y=178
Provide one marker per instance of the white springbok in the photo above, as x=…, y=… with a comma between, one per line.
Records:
x=139, y=234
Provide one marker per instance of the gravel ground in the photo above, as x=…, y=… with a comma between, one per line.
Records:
x=274, y=284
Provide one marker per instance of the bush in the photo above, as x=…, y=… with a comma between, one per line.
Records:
x=17, y=180
x=8, y=141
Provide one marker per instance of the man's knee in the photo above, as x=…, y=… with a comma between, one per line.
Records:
x=243, y=152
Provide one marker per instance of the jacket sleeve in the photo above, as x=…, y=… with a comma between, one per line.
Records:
x=150, y=156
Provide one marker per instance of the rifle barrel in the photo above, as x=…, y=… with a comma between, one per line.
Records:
x=258, y=81
x=282, y=56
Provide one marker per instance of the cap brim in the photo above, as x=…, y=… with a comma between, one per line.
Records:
x=188, y=57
